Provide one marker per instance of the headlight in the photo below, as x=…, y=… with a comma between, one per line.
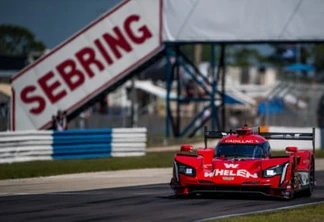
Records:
x=187, y=170
x=273, y=171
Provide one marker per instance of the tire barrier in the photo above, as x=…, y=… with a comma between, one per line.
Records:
x=24, y=146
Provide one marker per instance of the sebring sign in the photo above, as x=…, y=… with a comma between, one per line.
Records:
x=86, y=64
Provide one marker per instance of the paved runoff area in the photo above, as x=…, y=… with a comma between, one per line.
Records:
x=91, y=181
x=85, y=181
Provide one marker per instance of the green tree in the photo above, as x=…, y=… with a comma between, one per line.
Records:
x=245, y=57
x=276, y=58
x=317, y=52
x=17, y=41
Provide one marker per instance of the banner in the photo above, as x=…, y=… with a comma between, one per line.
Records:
x=86, y=64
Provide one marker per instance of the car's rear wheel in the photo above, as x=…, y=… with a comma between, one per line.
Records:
x=293, y=182
x=311, y=183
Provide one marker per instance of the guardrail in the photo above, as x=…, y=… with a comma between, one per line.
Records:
x=23, y=146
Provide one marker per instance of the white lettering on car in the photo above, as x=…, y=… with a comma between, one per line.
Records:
x=230, y=165
x=209, y=174
x=240, y=141
x=237, y=173
x=218, y=172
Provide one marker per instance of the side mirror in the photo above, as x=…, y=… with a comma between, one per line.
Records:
x=291, y=149
x=186, y=148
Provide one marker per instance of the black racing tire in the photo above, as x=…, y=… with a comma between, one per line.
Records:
x=309, y=191
x=292, y=194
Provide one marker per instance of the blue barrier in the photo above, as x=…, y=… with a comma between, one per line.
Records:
x=77, y=144
x=81, y=156
x=71, y=144
x=70, y=141
x=84, y=132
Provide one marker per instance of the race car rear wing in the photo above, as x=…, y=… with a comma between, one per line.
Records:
x=266, y=135
x=289, y=136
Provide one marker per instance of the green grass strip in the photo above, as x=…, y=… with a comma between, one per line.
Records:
x=49, y=168
x=57, y=167
x=314, y=213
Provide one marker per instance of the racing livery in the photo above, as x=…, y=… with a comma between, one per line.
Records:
x=242, y=163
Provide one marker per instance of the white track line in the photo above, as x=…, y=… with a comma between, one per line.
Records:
x=258, y=212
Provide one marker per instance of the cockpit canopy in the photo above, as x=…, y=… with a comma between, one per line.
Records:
x=249, y=151
x=243, y=144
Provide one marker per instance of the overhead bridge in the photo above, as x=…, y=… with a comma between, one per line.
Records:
x=133, y=34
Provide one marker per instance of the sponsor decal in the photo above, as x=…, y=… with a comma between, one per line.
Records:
x=228, y=178
x=230, y=165
x=241, y=141
x=234, y=173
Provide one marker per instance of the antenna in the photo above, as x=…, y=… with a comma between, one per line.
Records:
x=313, y=140
x=245, y=124
x=205, y=138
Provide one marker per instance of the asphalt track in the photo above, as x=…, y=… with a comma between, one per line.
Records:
x=138, y=203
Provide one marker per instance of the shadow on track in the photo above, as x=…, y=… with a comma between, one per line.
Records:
x=215, y=196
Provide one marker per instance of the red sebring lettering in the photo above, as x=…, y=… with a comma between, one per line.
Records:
x=74, y=77
x=117, y=42
x=87, y=57
x=103, y=52
x=70, y=74
x=143, y=30
x=27, y=98
x=49, y=89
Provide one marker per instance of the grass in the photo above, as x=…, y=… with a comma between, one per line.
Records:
x=312, y=213
x=48, y=168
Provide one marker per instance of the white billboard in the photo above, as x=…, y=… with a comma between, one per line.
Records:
x=87, y=63
x=243, y=20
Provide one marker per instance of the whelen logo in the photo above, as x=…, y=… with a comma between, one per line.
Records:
x=237, y=173
x=230, y=165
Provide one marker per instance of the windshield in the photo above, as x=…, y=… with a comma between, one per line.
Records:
x=239, y=151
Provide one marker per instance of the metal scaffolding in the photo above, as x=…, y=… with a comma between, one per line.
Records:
x=213, y=99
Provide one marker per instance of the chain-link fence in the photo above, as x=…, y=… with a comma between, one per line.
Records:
x=301, y=103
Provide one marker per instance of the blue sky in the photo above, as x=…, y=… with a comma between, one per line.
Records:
x=54, y=21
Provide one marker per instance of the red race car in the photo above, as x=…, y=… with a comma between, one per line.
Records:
x=242, y=163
